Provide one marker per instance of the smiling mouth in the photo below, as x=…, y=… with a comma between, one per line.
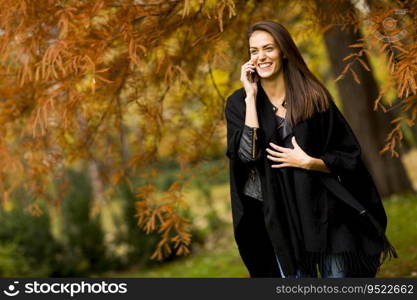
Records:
x=264, y=66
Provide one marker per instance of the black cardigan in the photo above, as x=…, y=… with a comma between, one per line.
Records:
x=309, y=214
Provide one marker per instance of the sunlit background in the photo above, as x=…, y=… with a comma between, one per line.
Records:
x=113, y=136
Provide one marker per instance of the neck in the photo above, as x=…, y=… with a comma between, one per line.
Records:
x=274, y=88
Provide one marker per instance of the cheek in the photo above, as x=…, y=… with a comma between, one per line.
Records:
x=278, y=62
x=275, y=58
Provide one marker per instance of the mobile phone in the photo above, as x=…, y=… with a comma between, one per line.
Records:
x=253, y=77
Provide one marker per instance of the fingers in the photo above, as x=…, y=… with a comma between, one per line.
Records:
x=283, y=165
x=248, y=65
x=246, y=75
x=277, y=159
x=279, y=148
x=275, y=153
x=294, y=142
x=247, y=68
x=280, y=156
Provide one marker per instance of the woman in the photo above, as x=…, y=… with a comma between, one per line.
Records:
x=302, y=198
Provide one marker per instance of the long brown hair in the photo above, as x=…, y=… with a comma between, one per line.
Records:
x=304, y=93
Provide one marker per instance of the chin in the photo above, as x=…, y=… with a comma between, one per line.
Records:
x=267, y=75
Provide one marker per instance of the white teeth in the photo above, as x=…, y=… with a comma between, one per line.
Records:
x=264, y=65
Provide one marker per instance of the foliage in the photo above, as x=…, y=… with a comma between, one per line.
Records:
x=88, y=81
x=138, y=245
x=121, y=84
x=27, y=247
x=389, y=27
x=81, y=236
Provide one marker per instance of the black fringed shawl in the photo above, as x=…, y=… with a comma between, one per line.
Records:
x=310, y=213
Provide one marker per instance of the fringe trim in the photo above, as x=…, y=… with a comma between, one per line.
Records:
x=356, y=262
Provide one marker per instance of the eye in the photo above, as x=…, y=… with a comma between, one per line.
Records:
x=269, y=49
x=253, y=52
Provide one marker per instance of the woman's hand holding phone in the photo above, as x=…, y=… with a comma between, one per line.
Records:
x=249, y=78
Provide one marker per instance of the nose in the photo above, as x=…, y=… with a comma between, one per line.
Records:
x=261, y=55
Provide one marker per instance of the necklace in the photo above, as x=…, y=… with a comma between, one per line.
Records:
x=275, y=108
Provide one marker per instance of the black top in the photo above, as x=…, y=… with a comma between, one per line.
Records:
x=280, y=122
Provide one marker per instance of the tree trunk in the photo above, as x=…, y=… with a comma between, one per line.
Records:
x=370, y=127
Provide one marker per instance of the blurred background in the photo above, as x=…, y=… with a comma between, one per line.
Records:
x=113, y=138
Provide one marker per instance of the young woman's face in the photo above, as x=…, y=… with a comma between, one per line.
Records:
x=264, y=53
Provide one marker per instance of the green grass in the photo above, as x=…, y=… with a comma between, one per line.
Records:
x=218, y=258
x=402, y=232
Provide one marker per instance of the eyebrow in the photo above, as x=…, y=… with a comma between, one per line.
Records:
x=263, y=46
